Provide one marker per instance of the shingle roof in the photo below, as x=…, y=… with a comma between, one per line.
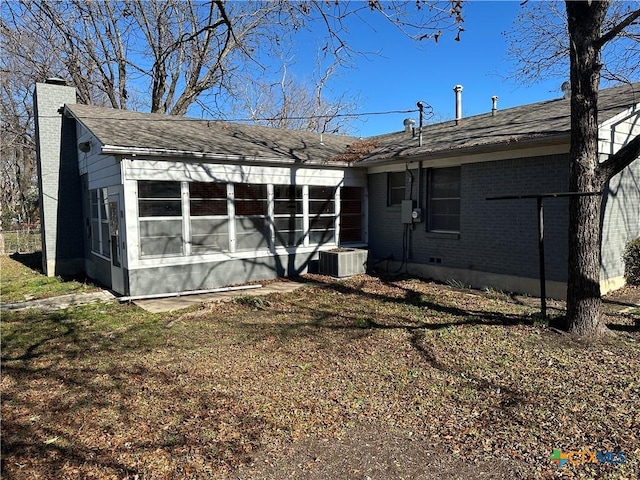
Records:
x=549, y=120
x=511, y=127
x=138, y=131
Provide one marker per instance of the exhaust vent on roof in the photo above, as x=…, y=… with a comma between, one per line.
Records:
x=409, y=124
x=458, y=90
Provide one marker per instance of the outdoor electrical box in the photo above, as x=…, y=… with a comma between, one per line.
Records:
x=410, y=213
x=407, y=208
x=416, y=215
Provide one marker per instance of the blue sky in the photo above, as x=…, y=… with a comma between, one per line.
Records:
x=406, y=71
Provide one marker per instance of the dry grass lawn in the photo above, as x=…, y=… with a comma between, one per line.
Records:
x=110, y=391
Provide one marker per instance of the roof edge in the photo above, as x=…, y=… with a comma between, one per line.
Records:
x=186, y=154
x=541, y=141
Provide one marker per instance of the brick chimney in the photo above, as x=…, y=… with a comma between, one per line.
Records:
x=58, y=180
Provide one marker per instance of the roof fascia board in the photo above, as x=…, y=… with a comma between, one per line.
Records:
x=475, y=157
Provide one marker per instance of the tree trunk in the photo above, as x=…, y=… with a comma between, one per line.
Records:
x=583, y=287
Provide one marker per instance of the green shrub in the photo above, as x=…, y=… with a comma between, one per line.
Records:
x=631, y=257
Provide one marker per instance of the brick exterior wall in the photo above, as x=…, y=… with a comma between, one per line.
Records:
x=59, y=183
x=495, y=236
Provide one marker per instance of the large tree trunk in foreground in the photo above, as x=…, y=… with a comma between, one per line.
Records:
x=587, y=174
x=583, y=288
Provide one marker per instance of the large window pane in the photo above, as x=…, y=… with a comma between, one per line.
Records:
x=160, y=237
x=322, y=211
x=159, y=199
x=252, y=233
x=100, y=236
x=209, y=234
x=209, y=220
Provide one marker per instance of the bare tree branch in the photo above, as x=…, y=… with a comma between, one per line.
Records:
x=617, y=29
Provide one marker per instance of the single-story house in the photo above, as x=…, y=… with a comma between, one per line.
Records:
x=151, y=204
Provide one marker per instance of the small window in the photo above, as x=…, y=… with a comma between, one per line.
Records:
x=444, y=199
x=395, y=188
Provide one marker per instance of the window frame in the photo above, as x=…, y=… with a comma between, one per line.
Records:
x=98, y=211
x=253, y=217
x=198, y=201
x=295, y=217
x=346, y=213
x=154, y=218
x=431, y=198
x=393, y=186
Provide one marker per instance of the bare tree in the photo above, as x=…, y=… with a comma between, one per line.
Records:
x=17, y=146
x=294, y=103
x=175, y=52
x=539, y=44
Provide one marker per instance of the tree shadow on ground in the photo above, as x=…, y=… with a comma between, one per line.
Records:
x=71, y=407
x=33, y=261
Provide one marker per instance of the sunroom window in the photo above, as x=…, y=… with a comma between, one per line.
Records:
x=252, y=222
x=322, y=211
x=209, y=217
x=288, y=215
x=160, y=215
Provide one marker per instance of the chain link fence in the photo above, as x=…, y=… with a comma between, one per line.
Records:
x=21, y=241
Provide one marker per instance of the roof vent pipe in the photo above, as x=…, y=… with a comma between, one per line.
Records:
x=494, y=105
x=408, y=124
x=458, y=90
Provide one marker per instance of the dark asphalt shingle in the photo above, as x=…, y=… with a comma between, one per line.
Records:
x=544, y=120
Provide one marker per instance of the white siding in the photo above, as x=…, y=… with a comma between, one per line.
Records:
x=101, y=170
x=618, y=131
x=138, y=169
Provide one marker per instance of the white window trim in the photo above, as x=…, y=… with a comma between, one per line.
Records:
x=103, y=195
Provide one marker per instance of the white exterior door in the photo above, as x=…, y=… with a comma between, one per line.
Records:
x=116, y=241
